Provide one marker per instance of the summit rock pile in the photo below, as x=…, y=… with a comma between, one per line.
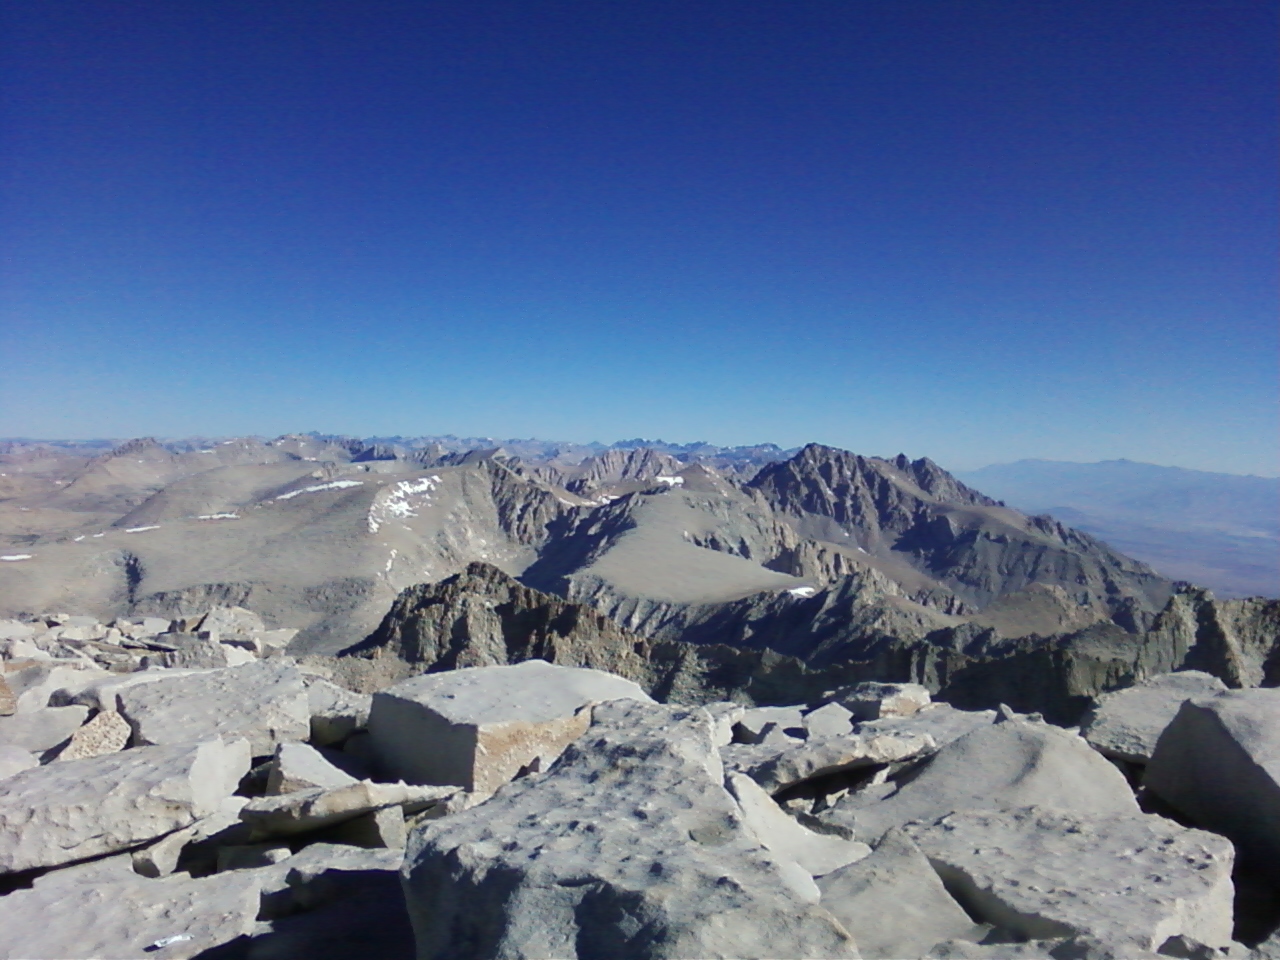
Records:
x=544, y=811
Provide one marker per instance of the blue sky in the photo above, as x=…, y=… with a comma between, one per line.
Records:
x=971, y=230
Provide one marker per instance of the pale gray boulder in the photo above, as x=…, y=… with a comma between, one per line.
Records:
x=126, y=918
x=231, y=620
x=481, y=726
x=893, y=902
x=17, y=630
x=336, y=713
x=68, y=811
x=629, y=846
x=15, y=760
x=101, y=691
x=1125, y=724
x=108, y=732
x=818, y=853
x=1004, y=765
x=40, y=730
x=1045, y=873
x=831, y=720
x=265, y=702
x=874, y=701
x=307, y=810
x=1218, y=762
x=384, y=827
x=36, y=686
x=943, y=722
x=756, y=723
x=724, y=716
x=160, y=859
x=297, y=766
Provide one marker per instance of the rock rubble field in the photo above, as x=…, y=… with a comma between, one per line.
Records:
x=182, y=789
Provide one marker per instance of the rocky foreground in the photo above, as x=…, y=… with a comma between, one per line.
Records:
x=185, y=789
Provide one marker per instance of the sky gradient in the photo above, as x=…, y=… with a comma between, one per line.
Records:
x=970, y=230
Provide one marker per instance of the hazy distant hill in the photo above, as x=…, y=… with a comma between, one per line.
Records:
x=1216, y=529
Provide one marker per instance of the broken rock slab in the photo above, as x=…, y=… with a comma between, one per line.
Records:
x=893, y=902
x=15, y=760
x=68, y=811
x=1126, y=724
x=874, y=701
x=755, y=724
x=41, y=730
x=482, y=726
x=1218, y=762
x=817, y=853
x=306, y=810
x=264, y=702
x=127, y=918
x=1045, y=874
x=629, y=846
x=1010, y=764
x=108, y=732
x=776, y=769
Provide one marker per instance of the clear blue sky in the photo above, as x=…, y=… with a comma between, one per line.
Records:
x=964, y=229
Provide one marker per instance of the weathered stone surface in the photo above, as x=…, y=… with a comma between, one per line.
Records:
x=108, y=732
x=189, y=653
x=479, y=727
x=41, y=730
x=1126, y=724
x=336, y=713
x=874, y=701
x=8, y=699
x=831, y=720
x=818, y=853
x=893, y=902
x=1010, y=764
x=941, y=721
x=83, y=808
x=1219, y=763
x=297, y=766
x=821, y=756
x=265, y=702
x=384, y=827
x=250, y=855
x=15, y=760
x=629, y=846
x=755, y=724
x=126, y=918
x=724, y=716
x=318, y=807
x=231, y=620
x=36, y=685
x=1045, y=873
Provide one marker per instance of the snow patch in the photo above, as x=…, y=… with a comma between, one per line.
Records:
x=671, y=481
x=802, y=591
x=78, y=539
x=16, y=556
x=218, y=516
x=317, y=487
x=390, y=560
x=97, y=535
x=400, y=501
x=153, y=526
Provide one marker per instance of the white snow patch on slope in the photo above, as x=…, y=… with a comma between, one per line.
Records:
x=400, y=500
x=671, y=481
x=16, y=556
x=802, y=591
x=153, y=526
x=317, y=487
x=218, y=516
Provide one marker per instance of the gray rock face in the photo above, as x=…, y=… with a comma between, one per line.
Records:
x=1126, y=724
x=831, y=720
x=1219, y=763
x=628, y=846
x=479, y=727
x=15, y=760
x=336, y=713
x=1010, y=764
x=264, y=702
x=43, y=729
x=83, y=808
x=125, y=918
x=941, y=721
x=1046, y=873
x=893, y=902
x=775, y=768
